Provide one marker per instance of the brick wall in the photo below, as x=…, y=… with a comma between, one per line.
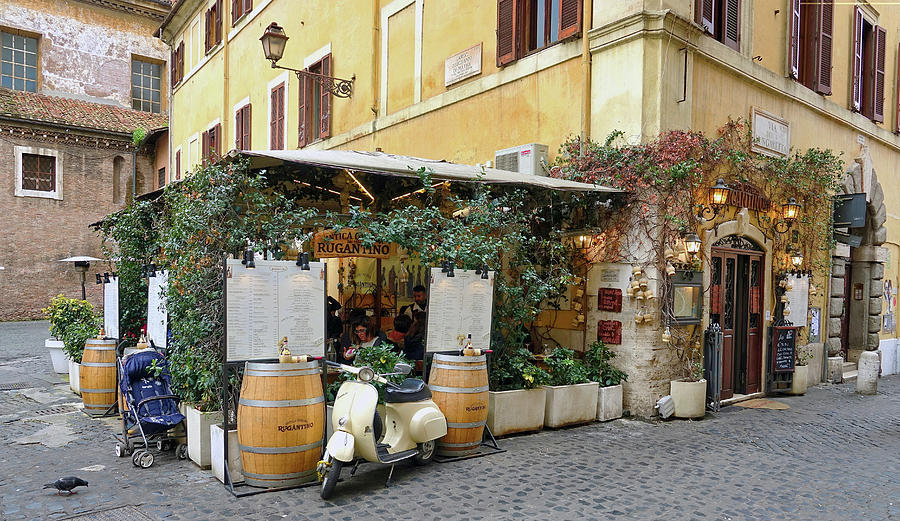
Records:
x=36, y=232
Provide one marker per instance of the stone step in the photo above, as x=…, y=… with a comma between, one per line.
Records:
x=850, y=376
x=849, y=366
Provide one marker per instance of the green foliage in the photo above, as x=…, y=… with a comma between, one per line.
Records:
x=73, y=321
x=597, y=358
x=132, y=236
x=516, y=370
x=382, y=359
x=217, y=209
x=565, y=369
x=138, y=136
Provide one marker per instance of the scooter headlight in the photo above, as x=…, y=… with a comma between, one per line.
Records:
x=366, y=374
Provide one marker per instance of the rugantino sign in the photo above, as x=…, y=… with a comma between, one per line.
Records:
x=346, y=243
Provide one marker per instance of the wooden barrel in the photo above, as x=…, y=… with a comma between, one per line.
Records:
x=281, y=423
x=459, y=386
x=98, y=376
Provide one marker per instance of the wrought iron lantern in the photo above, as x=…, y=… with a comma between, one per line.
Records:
x=718, y=198
x=273, y=42
x=796, y=258
x=790, y=211
x=692, y=243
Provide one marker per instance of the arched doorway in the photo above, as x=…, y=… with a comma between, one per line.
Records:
x=736, y=304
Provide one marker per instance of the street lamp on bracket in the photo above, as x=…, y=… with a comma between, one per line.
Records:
x=718, y=199
x=274, y=41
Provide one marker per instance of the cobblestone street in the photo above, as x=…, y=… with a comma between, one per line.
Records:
x=833, y=455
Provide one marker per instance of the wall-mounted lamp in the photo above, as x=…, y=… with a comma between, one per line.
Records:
x=450, y=267
x=581, y=240
x=106, y=278
x=99, y=279
x=484, y=271
x=692, y=243
x=790, y=211
x=303, y=261
x=248, y=259
x=274, y=41
x=151, y=270
x=796, y=258
x=718, y=198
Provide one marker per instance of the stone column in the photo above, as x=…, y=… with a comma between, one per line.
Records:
x=835, y=372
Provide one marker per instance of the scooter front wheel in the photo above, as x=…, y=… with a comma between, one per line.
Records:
x=331, y=477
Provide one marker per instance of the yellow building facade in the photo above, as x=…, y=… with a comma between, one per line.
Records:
x=461, y=79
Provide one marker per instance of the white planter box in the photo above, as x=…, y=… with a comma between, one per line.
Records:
x=57, y=356
x=75, y=377
x=689, y=398
x=609, y=403
x=198, y=424
x=800, y=380
x=520, y=410
x=217, y=454
x=570, y=404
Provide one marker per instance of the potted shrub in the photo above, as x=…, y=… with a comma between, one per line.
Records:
x=196, y=377
x=801, y=370
x=571, y=396
x=72, y=322
x=516, y=401
x=609, y=401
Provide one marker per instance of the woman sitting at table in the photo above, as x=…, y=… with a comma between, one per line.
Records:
x=363, y=334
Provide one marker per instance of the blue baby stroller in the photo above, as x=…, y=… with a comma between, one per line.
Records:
x=149, y=410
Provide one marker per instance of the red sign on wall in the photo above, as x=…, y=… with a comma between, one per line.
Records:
x=609, y=331
x=609, y=299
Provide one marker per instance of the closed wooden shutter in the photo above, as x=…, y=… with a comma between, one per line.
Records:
x=824, y=47
x=857, y=55
x=569, y=18
x=235, y=11
x=173, y=78
x=239, y=129
x=181, y=61
x=207, y=30
x=732, y=34
x=794, y=48
x=248, y=6
x=217, y=141
x=218, y=22
x=507, y=42
x=178, y=165
x=880, y=54
x=204, y=144
x=303, y=111
x=706, y=15
x=276, y=121
x=325, y=116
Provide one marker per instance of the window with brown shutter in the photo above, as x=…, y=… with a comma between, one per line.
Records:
x=218, y=21
x=242, y=128
x=213, y=26
x=177, y=165
x=525, y=26
x=721, y=19
x=276, y=118
x=216, y=141
x=857, y=58
x=38, y=173
x=868, y=79
x=238, y=9
x=179, y=54
x=208, y=30
x=810, y=49
x=161, y=177
x=204, y=147
x=878, y=89
x=315, y=104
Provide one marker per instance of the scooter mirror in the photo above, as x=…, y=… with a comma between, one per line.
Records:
x=402, y=368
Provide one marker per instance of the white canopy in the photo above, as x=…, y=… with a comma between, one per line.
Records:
x=390, y=164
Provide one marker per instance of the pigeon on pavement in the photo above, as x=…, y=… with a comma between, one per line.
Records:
x=67, y=484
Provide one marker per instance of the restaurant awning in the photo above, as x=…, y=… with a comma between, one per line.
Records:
x=407, y=166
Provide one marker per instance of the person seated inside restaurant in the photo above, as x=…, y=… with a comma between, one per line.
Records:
x=364, y=334
x=402, y=324
x=414, y=340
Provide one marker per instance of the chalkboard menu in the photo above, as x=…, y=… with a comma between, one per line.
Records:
x=609, y=299
x=784, y=339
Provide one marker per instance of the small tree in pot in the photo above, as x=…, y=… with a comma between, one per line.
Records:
x=609, y=401
x=72, y=321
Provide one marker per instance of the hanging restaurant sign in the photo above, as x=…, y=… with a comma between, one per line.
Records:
x=347, y=243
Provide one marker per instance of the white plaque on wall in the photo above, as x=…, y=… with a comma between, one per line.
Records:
x=157, y=315
x=459, y=306
x=771, y=134
x=111, y=307
x=275, y=300
x=462, y=65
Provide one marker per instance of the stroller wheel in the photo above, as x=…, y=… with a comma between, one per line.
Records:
x=121, y=451
x=181, y=451
x=146, y=460
x=135, y=458
x=160, y=446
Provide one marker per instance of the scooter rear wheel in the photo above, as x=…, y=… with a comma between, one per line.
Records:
x=427, y=450
x=331, y=478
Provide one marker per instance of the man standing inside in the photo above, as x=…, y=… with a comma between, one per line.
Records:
x=420, y=302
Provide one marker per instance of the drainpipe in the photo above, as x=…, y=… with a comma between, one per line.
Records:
x=133, y=173
x=585, y=74
x=376, y=56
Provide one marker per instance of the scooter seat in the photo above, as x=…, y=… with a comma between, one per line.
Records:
x=411, y=390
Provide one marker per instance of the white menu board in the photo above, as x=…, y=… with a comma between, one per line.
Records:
x=459, y=306
x=111, y=307
x=272, y=301
x=157, y=315
x=798, y=298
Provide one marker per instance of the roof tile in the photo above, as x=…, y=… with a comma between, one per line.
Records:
x=76, y=113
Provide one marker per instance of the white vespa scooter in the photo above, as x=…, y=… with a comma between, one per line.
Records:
x=412, y=424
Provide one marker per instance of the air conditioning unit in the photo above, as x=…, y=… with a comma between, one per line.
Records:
x=525, y=159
